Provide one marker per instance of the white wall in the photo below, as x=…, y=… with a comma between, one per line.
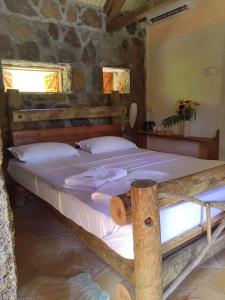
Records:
x=186, y=59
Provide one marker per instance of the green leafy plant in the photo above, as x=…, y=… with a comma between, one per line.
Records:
x=186, y=111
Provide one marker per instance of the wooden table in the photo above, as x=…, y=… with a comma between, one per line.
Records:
x=205, y=148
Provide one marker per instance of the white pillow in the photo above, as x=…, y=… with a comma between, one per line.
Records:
x=43, y=151
x=105, y=144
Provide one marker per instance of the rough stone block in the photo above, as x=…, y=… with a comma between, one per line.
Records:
x=28, y=51
x=91, y=18
x=89, y=54
x=65, y=55
x=78, y=80
x=50, y=9
x=8, y=282
x=71, y=13
x=72, y=38
x=6, y=47
x=20, y=7
x=53, y=31
x=44, y=38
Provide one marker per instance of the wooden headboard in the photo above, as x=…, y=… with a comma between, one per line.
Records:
x=18, y=116
x=68, y=135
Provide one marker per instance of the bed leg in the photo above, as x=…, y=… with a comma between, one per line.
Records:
x=19, y=196
x=122, y=293
x=147, y=244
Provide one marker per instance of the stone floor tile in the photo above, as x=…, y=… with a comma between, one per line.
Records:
x=26, y=272
x=130, y=288
x=45, y=247
x=197, y=276
x=84, y=260
x=51, y=243
x=210, y=263
x=206, y=292
x=108, y=280
x=220, y=257
x=45, y=257
x=72, y=242
x=27, y=256
x=56, y=288
x=22, y=241
x=59, y=269
x=45, y=229
x=180, y=294
x=218, y=281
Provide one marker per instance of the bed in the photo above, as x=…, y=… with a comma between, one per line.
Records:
x=46, y=179
x=94, y=222
x=188, y=185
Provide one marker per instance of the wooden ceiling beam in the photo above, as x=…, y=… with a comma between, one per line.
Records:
x=116, y=9
x=108, y=6
x=137, y=14
x=113, y=8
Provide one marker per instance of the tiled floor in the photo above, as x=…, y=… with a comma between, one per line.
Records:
x=46, y=247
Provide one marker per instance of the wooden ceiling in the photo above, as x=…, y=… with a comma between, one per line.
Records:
x=123, y=12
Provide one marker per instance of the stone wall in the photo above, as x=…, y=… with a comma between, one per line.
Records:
x=68, y=31
x=63, y=31
x=8, y=278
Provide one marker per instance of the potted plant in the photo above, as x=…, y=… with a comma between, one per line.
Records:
x=185, y=112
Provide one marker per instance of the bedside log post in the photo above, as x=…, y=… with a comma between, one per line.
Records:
x=147, y=244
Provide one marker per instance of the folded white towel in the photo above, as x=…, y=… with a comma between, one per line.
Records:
x=100, y=197
x=96, y=177
x=104, y=194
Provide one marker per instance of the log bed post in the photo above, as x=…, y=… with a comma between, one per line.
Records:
x=147, y=244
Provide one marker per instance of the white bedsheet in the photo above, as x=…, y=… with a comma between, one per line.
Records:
x=46, y=180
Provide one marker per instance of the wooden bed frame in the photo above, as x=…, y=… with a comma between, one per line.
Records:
x=155, y=267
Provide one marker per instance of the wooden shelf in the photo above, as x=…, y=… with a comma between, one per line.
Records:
x=206, y=148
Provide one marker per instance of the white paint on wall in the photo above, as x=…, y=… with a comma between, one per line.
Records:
x=186, y=60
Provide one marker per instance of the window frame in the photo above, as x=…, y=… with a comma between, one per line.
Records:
x=39, y=66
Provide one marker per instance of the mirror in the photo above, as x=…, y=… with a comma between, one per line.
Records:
x=116, y=79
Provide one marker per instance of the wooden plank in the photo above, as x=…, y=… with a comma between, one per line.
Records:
x=126, y=19
x=173, y=191
x=191, y=185
x=4, y=120
x=68, y=135
x=205, y=148
x=34, y=115
x=108, y=6
x=14, y=100
x=137, y=14
x=180, y=137
x=116, y=9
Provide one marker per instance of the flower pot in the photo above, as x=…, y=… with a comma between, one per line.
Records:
x=185, y=127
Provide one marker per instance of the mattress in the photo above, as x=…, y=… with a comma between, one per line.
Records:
x=46, y=180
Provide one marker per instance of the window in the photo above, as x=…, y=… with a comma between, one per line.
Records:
x=116, y=79
x=38, y=77
x=28, y=80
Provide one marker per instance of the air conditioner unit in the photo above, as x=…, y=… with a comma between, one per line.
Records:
x=171, y=10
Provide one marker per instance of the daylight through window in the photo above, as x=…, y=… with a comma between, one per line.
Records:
x=38, y=78
x=28, y=80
